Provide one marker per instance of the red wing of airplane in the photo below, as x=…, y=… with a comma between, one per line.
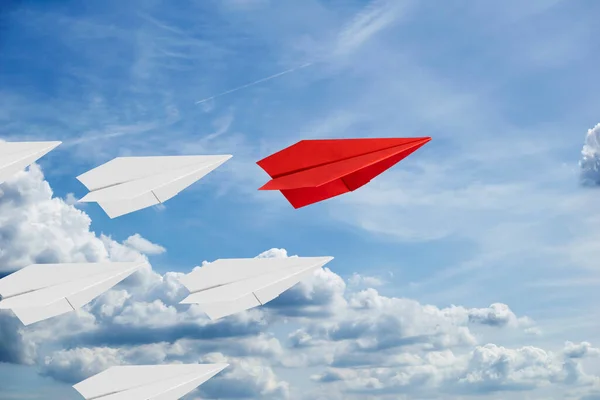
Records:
x=314, y=170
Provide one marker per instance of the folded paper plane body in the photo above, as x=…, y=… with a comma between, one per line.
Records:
x=16, y=156
x=42, y=291
x=127, y=184
x=147, y=382
x=229, y=286
x=315, y=170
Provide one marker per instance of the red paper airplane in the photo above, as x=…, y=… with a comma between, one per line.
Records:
x=315, y=170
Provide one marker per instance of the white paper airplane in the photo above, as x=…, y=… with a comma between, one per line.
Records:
x=228, y=286
x=127, y=184
x=16, y=156
x=42, y=291
x=147, y=382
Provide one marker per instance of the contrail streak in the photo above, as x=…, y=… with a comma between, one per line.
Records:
x=254, y=83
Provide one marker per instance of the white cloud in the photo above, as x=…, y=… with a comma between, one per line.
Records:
x=580, y=350
x=78, y=364
x=273, y=253
x=375, y=329
x=590, y=157
x=37, y=228
x=70, y=199
x=14, y=346
x=244, y=378
x=364, y=280
x=137, y=242
x=498, y=315
x=484, y=370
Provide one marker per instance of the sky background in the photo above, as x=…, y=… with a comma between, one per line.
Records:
x=468, y=271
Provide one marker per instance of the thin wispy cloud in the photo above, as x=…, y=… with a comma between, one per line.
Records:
x=374, y=18
x=113, y=132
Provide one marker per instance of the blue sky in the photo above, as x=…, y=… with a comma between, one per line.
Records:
x=491, y=216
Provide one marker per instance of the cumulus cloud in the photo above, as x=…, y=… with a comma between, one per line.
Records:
x=71, y=200
x=247, y=378
x=590, y=158
x=14, y=347
x=320, y=295
x=249, y=374
x=360, y=344
x=498, y=314
x=378, y=330
x=485, y=369
x=137, y=242
x=580, y=350
x=274, y=253
x=37, y=228
x=77, y=364
x=364, y=280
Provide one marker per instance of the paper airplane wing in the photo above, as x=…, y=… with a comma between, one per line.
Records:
x=128, y=184
x=16, y=156
x=228, y=286
x=147, y=382
x=42, y=291
x=328, y=168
